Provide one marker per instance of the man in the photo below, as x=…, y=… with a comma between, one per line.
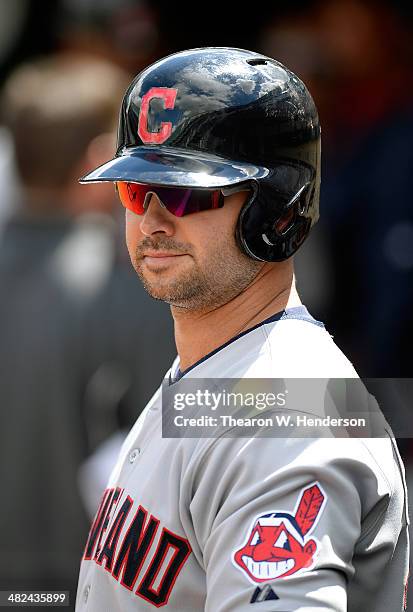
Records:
x=218, y=169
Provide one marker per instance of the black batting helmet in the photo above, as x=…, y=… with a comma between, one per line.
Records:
x=218, y=117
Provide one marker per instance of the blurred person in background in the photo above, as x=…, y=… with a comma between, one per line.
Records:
x=77, y=352
x=12, y=19
x=125, y=32
x=356, y=56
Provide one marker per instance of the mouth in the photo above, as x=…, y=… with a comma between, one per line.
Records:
x=161, y=259
x=161, y=254
x=267, y=569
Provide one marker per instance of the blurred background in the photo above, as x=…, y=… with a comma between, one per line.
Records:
x=81, y=345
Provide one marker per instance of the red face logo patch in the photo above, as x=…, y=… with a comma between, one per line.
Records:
x=168, y=95
x=277, y=545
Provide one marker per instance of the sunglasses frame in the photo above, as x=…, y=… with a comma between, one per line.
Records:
x=225, y=191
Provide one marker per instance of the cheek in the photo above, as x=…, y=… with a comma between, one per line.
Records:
x=211, y=230
x=206, y=242
x=132, y=231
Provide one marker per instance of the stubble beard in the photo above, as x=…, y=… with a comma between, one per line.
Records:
x=226, y=273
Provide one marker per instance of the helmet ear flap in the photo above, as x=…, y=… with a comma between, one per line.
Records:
x=270, y=229
x=241, y=235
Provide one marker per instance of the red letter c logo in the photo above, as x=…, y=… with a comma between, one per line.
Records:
x=168, y=95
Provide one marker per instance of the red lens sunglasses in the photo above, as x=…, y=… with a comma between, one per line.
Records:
x=177, y=200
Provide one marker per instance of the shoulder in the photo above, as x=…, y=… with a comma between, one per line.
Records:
x=359, y=477
x=302, y=347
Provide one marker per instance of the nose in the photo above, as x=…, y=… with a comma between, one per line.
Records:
x=156, y=218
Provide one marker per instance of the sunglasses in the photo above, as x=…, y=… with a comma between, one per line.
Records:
x=177, y=200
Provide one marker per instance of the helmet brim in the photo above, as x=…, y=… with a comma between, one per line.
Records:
x=175, y=167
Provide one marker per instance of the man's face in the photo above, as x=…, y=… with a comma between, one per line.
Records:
x=191, y=262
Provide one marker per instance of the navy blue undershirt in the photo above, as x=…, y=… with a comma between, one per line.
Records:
x=297, y=312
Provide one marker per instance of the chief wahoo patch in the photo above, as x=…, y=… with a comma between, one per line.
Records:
x=277, y=544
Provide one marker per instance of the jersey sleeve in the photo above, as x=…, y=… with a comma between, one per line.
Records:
x=277, y=522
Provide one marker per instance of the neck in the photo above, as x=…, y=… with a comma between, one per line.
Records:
x=199, y=333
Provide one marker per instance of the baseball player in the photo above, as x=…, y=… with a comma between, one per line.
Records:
x=218, y=167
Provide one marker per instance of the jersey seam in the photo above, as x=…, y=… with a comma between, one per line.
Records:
x=267, y=341
x=390, y=488
x=373, y=525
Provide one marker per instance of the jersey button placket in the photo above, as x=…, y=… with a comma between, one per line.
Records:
x=86, y=593
x=134, y=454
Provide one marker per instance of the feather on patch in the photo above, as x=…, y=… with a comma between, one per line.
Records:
x=309, y=508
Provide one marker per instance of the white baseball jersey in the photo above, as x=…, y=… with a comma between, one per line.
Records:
x=245, y=524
